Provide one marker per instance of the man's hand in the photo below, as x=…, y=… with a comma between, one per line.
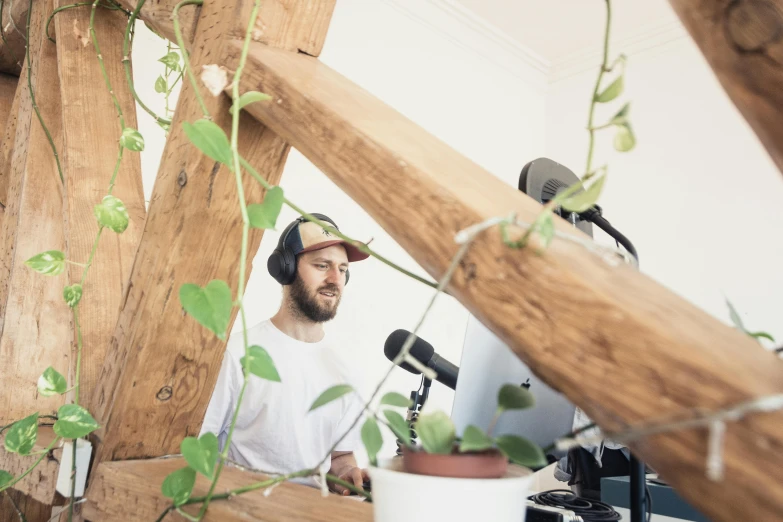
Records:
x=345, y=468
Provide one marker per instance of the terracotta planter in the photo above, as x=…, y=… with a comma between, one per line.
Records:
x=486, y=464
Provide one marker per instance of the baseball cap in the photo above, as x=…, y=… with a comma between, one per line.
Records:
x=308, y=236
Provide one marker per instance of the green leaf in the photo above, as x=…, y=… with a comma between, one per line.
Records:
x=112, y=213
x=210, y=139
x=399, y=426
x=201, y=454
x=74, y=422
x=765, y=335
x=171, y=60
x=22, y=435
x=521, y=451
x=546, y=229
x=178, y=485
x=250, y=97
x=132, y=139
x=624, y=140
x=160, y=85
x=735, y=318
x=210, y=306
x=473, y=439
x=51, y=262
x=512, y=397
x=372, y=439
x=586, y=198
x=437, y=432
x=396, y=399
x=622, y=115
x=51, y=382
x=264, y=215
x=72, y=294
x=5, y=478
x=261, y=364
x=614, y=90
x=333, y=393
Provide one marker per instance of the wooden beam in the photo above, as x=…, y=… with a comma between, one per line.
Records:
x=39, y=485
x=33, y=510
x=161, y=367
x=130, y=491
x=91, y=128
x=8, y=85
x=158, y=17
x=36, y=329
x=741, y=42
x=14, y=24
x=574, y=318
x=9, y=137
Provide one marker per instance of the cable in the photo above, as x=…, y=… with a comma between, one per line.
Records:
x=588, y=510
x=594, y=215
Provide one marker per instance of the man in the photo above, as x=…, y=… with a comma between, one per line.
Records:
x=275, y=431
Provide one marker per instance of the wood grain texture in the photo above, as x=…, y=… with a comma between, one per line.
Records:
x=9, y=137
x=36, y=328
x=119, y=485
x=157, y=15
x=8, y=85
x=91, y=130
x=741, y=41
x=161, y=368
x=292, y=25
x=40, y=484
x=33, y=510
x=14, y=23
x=612, y=340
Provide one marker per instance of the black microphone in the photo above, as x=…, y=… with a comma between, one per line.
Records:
x=423, y=352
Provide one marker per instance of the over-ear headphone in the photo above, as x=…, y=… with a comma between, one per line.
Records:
x=282, y=262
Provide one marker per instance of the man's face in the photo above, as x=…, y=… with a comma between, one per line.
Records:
x=319, y=283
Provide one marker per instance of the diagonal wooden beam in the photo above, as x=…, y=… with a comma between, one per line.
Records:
x=578, y=320
x=8, y=125
x=157, y=14
x=119, y=485
x=8, y=84
x=161, y=366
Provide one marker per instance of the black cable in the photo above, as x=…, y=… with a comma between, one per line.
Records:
x=594, y=215
x=588, y=510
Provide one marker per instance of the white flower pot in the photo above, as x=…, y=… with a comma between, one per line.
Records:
x=405, y=497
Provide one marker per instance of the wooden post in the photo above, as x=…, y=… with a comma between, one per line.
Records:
x=91, y=130
x=161, y=367
x=8, y=125
x=8, y=85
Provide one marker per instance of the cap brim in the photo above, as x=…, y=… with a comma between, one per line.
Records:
x=354, y=254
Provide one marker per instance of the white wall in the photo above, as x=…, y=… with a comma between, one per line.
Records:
x=444, y=70
x=698, y=197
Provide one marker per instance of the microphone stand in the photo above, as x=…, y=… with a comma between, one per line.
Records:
x=418, y=398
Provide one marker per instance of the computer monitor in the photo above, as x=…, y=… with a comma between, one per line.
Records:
x=487, y=364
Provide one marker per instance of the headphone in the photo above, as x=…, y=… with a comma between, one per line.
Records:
x=282, y=262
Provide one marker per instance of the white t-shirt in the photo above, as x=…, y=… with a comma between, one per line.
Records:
x=274, y=431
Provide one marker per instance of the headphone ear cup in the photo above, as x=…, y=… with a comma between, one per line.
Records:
x=275, y=265
x=347, y=276
x=289, y=268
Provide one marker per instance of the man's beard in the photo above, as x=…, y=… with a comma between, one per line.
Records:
x=307, y=304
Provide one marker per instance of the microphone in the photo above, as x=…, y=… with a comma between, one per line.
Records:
x=423, y=352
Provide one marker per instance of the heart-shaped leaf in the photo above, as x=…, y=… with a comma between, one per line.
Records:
x=614, y=90
x=132, y=139
x=5, y=478
x=171, y=60
x=331, y=394
x=264, y=215
x=51, y=262
x=22, y=435
x=396, y=399
x=112, y=213
x=210, y=306
x=160, y=85
x=51, y=382
x=437, y=432
x=250, y=97
x=585, y=199
x=511, y=397
x=624, y=140
x=399, y=426
x=73, y=422
x=178, y=485
x=622, y=115
x=261, y=364
x=372, y=439
x=210, y=139
x=201, y=454
x=521, y=451
x=72, y=294
x=473, y=439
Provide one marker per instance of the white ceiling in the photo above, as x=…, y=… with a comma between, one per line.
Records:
x=555, y=29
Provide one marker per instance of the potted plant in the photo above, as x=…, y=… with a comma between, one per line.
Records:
x=443, y=476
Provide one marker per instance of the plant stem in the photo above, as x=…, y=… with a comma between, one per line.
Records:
x=23, y=475
x=103, y=67
x=32, y=96
x=361, y=246
x=349, y=486
x=16, y=508
x=493, y=422
x=64, y=7
x=78, y=354
x=126, y=62
x=184, y=52
x=593, y=102
x=73, y=480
